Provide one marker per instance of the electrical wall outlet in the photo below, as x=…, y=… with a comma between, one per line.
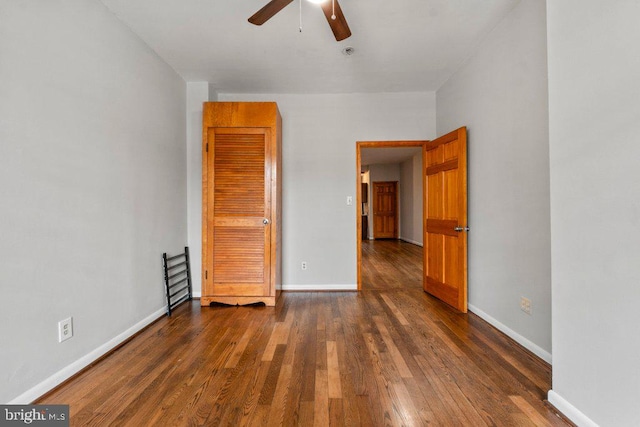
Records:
x=525, y=305
x=65, y=329
x=303, y=265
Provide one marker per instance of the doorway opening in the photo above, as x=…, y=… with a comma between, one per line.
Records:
x=378, y=173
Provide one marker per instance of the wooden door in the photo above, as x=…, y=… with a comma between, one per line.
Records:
x=385, y=210
x=445, y=212
x=238, y=213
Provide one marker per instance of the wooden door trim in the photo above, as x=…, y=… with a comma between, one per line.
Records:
x=373, y=144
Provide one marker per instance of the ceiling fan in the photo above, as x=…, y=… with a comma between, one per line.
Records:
x=331, y=10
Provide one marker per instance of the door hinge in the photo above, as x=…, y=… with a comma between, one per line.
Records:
x=206, y=274
x=207, y=148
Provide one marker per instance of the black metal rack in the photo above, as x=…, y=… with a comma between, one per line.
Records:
x=177, y=284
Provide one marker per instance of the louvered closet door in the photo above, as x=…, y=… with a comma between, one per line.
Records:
x=239, y=212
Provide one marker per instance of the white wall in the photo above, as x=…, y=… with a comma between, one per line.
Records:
x=384, y=172
x=381, y=173
x=594, y=103
x=500, y=94
x=319, y=168
x=92, y=186
x=411, y=200
x=197, y=94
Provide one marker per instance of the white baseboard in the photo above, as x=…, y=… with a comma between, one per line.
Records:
x=70, y=370
x=196, y=294
x=314, y=287
x=532, y=347
x=569, y=411
x=413, y=242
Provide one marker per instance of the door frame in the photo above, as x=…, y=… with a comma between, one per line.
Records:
x=373, y=144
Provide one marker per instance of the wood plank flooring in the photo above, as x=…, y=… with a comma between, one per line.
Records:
x=390, y=264
x=389, y=355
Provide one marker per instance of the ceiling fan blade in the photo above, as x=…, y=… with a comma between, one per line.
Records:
x=339, y=25
x=267, y=12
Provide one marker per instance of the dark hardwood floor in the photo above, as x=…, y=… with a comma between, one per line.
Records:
x=391, y=264
x=388, y=355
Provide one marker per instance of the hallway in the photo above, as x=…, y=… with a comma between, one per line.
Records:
x=391, y=264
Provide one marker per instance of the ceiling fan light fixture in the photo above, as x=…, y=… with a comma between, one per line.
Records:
x=330, y=8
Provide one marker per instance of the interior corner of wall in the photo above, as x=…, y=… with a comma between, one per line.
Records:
x=213, y=94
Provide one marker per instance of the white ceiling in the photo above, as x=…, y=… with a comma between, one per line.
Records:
x=400, y=46
x=376, y=156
